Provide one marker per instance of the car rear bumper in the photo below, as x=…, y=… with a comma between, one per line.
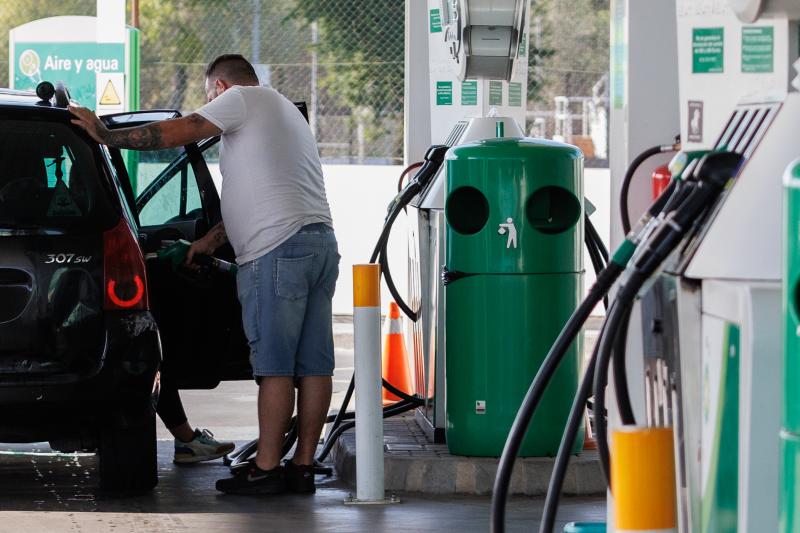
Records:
x=47, y=407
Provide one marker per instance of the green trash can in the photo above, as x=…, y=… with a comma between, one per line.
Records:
x=513, y=276
x=790, y=435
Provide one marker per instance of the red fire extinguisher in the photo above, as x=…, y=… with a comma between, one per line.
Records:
x=660, y=180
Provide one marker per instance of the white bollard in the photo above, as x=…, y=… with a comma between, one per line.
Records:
x=369, y=407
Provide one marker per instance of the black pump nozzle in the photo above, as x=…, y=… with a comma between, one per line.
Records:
x=434, y=158
x=717, y=168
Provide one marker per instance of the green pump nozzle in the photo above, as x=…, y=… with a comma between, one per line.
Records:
x=174, y=253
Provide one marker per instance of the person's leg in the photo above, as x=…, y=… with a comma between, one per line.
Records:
x=275, y=407
x=313, y=401
x=170, y=410
x=315, y=356
x=191, y=445
x=273, y=291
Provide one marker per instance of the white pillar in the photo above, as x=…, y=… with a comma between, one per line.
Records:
x=110, y=21
x=369, y=407
x=417, y=110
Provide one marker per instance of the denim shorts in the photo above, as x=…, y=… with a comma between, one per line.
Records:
x=286, y=305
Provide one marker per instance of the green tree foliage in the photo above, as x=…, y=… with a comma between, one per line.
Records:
x=362, y=47
x=569, y=48
x=180, y=37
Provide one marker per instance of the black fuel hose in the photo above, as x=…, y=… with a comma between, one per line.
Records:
x=714, y=172
x=427, y=170
x=710, y=176
x=333, y=436
x=628, y=178
x=620, y=372
x=602, y=285
x=519, y=428
x=599, y=384
x=565, y=447
x=595, y=248
x=601, y=247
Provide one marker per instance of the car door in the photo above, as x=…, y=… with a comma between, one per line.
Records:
x=173, y=196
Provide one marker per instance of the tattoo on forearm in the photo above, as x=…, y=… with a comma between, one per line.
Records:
x=217, y=235
x=195, y=119
x=147, y=137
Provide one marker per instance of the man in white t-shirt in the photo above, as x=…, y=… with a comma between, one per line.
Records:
x=276, y=216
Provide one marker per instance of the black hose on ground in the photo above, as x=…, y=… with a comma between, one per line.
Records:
x=333, y=436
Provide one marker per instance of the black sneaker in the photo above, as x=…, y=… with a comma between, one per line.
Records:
x=299, y=478
x=254, y=481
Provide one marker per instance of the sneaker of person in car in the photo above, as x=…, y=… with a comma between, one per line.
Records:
x=254, y=480
x=299, y=478
x=203, y=447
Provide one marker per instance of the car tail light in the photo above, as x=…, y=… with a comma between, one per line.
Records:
x=125, y=277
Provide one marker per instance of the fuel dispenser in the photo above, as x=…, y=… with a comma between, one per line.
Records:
x=691, y=342
x=703, y=352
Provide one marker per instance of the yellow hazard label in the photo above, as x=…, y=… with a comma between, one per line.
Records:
x=110, y=95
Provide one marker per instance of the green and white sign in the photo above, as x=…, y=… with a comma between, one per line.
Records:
x=720, y=430
x=436, y=21
x=469, y=92
x=97, y=58
x=495, y=93
x=758, y=48
x=444, y=93
x=708, y=50
x=76, y=64
x=515, y=94
x=523, y=45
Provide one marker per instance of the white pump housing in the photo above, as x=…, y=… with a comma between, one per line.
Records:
x=750, y=11
x=484, y=36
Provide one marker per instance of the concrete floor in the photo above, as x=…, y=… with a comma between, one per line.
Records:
x=43, y=491
x=58, y=493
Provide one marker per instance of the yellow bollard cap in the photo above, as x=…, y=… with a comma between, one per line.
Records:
x=367, y=285
x=643, y=478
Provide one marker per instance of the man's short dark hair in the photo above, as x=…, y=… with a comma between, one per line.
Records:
x=231, y=67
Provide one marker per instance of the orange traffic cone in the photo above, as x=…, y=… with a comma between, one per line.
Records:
x=395, y=356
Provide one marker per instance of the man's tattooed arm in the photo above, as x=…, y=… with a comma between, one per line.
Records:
x=148, y=137
x=161, y=134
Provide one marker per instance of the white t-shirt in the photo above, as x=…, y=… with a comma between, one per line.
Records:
x=272, y=181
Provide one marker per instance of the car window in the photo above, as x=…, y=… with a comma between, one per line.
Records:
x=169, y=191
x=49, y=179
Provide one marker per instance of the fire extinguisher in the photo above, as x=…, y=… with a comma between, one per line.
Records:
x=660, y=180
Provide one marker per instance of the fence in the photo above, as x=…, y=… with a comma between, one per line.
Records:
x=344, y=58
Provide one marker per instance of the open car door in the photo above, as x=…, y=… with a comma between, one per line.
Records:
x=172, y=196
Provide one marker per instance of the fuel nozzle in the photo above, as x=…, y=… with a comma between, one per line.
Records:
x=174, y=253
x=434, y=158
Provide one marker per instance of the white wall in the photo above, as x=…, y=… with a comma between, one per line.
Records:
x=358, y=196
